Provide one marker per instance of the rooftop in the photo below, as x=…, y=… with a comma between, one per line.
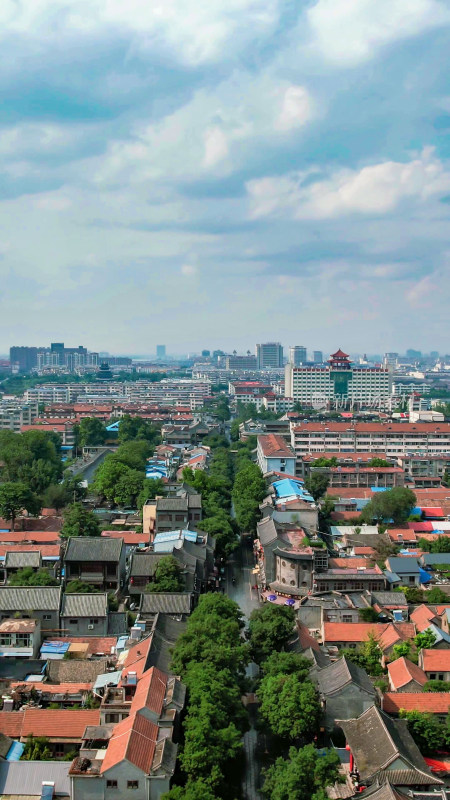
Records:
x=427, y=702
x=39, y=598
x=402, y=671
x=93, y=548
x=435, y=660
x=274, y=446
x=85, y=605
x=134, y=740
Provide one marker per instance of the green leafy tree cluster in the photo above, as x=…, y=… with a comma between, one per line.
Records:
x=33, y=457
x=29, y=577
x=210, y=656
x=428, y=732
x=136, y=428
x=270, y=628
x=80, y=587
x=440, y=545
x=368, y=614
x=249, y=489
x=325, y=462
x=395, y=504
x=168, y=577
x=289, y=703
x=317, y=484
x=121, y=476
x=378, y=462
x=437, y=686
x=304, y=775
x=92, y=432
x=16, y=497
x=78, y=521
x=368, y=656
x=36, y=749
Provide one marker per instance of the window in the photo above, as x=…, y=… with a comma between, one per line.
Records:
x=73, y=622
x=112, y=784
x=93, y=622
x=132, y=784
x=346, y=618
x=46, y=617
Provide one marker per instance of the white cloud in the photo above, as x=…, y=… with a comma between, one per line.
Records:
x=193, y=32
x=296, y=109
x=372, y=190
x=347, y=32
x=216, y=147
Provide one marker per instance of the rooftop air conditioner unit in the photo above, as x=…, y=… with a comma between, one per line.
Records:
x=90, y=627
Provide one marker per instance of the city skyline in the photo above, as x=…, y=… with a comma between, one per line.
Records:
x=261, y=167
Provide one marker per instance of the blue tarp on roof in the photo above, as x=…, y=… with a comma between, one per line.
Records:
x=424, y=576
x=289, y=487
x=55, y=648
x=113, y=427
x=15, y=751
x=173, y=536
x=378, y=489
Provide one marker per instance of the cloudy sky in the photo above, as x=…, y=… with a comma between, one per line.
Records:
x=212, y=174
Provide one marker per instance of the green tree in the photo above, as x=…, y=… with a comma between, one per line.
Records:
x=36, y=749
x=428, y=733
x=402, y=650
x=435, y=595
x=326, y=508
x=317, y=484
x=168, y=577
x=395, y=504
x=134, y=454
x=249, y=489
x=80, y=587
x=199, y=789
x=290, y=705
x=440, y=545
x=92, y=432
x=437, y=686
x=270, y=628
x=15, y=497
x=286, y=664
x=79, y=522
x=151, y=488
x=221, y=527
x=368, y=614
x=368, y=656
x=106, y=477
x=137, y=428
x=378, y=462
x=424, y=640
x=305, y=775
x=28, y=577
x=128, y=488
x=55, y=496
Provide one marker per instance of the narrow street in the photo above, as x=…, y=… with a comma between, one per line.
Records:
x=241, y=566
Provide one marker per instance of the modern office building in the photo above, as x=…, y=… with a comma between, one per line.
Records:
x=297, y=355
x=160, y=351
x=339, y=383
x=240, y=362
x=23, y=359
x=318, y=356
x=389, y=439
x=269, y=355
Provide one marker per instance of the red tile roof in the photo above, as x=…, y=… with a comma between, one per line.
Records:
x=305, y=638
x=96, y=644
x=57, y=723
x=396, y=632
x=136, y=659
x=273, y=445
x=401, y=535
x=46, y=537
x=422, y=616
x=402, y=671
x=150, y=691
x=353, y=562
x=364, y=551
x=420, y=527
x=374, y=427
x=129, y=537
x=350, y=631
x=435, y=660
x=134, y=740
x=46, y=550
x=52, y=688
x=429, y=702
x=11, y=723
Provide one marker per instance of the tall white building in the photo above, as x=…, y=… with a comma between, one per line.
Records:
x=339, y=383
x=269, y=355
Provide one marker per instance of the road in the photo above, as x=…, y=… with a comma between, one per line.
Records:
x=241, y=566
x=87, y=474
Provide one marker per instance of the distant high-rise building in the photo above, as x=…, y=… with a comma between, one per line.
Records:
x=57, y=351
x=318, y=357
x=390, y=359
x=160, y=351
x=297, y=355
x=206, y=353
x=434, y=354
x=269, y=354
x=413, y=353
x=23, y=359
x=240, y=362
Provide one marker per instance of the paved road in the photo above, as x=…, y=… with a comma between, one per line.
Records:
x=88, y=473
x=241, y=591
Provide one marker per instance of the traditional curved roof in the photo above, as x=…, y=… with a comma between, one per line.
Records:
x=339, y=354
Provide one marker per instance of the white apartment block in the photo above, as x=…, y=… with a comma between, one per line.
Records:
x=339, y=383
x=393, y=439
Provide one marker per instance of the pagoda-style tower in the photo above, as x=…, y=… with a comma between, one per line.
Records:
x=339, y=360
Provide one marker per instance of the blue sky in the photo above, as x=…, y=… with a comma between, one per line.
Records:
x=216, y=174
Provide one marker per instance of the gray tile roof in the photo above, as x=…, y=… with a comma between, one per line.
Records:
x=376, y=741
x=30, y=598
x=26, y=777
x=389, y=598
x=85, y=605
x=144, y=564
x=266, y=531
x=170, y=603
x=342, y=672
x=172, y=504
x=28, y=558
x=435, y=558
x=404, y=565
x=93, y=548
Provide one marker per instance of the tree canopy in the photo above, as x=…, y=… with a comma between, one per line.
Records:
x=168, y=577
x=78, y=521
x=15, y=497
x=30, y=577
x=270, y=628
x=317, y=484
x=303, y=776
x=92, y=432
x=395, y=504
x=249, y=490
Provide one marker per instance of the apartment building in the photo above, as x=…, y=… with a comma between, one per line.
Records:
x=269, y=355
x=339, y=383
x=392, y=439
x=14, y=413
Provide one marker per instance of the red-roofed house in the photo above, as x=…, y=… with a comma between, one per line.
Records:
x=402, y=536
x=425, y=702
x=405, y=676
x=274, y=455
x=436, y=664
x=423, y=616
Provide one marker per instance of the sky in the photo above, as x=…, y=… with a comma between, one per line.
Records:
x=211, y=175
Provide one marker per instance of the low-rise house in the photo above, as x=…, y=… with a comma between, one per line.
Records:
x=344, y=688
x=404, y=676
x=391, y=604
x=404, y=537
x=14, y=562
x=286, y=562
x=382, y=747
x=71, y=670
x=395, y=633
x=23, y=780
x=62, y=728
x=98, y=561
x=435, y=664
x=142, y=571
x=437, y=703
x=274, y=455
x=20, y=638
x=179, y=604
x=65, y=693
x=407, y=570
x=423, y=616
x=356, y=579
x=175, y=512
x=41, y=603
x=314, y=610
x=349, y=634
x=158, y=696
x=84, y=614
